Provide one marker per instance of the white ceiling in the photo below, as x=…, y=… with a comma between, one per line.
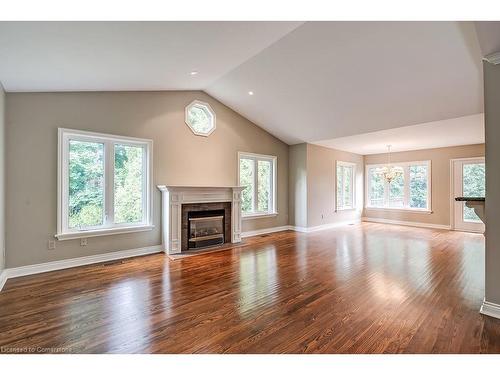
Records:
x=453, y=132
x=112, y=56
x=488, y=34
x=312, y=81
x=332, y=79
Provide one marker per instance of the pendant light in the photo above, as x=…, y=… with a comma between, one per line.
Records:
x=390, y=173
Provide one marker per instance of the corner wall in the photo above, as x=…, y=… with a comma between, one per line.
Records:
x=492, y=206
x=322, y=186
x=312, y=186
x=2, y=180
x=297, y=185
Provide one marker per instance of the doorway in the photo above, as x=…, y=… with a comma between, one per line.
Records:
x=468, y=180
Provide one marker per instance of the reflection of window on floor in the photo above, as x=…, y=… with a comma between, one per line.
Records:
x=473, y=185
x=258, y=280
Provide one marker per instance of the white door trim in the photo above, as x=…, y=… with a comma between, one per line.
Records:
x=452, y=190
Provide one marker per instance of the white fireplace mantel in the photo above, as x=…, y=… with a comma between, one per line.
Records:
x=172, y=199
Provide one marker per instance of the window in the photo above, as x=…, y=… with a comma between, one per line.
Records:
x=103, y=184
x=473, y=185
x=257, y=173
x=200, y=118
x=410, y=190
x=345, y=175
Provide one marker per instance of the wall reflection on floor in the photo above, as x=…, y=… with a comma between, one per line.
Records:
x=258, y=279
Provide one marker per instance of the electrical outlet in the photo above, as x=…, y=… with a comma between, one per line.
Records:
x=51, y=245
x=83, y=242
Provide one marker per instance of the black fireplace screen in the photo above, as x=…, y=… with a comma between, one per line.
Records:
x=205, y=228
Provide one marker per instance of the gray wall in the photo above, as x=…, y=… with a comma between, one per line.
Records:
x=180, y=158
x=305, y=171
x=297, y=187
x=322, y=187
x=313, y=186
x=2, y=178
x=492, y=207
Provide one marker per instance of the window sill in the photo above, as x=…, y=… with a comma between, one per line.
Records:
x=258, y=215
x=346, y=209
x=103, y=232
x=396, y=209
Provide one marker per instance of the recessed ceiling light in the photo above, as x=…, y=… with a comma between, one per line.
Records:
x=250, y=93
x=194, y=72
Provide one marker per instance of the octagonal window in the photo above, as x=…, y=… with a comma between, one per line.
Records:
x=200, y=118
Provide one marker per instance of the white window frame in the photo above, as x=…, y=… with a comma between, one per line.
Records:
x=272, y=207
x=204, y=107
x=406, y=198
x=353, y=185
x=108, y=227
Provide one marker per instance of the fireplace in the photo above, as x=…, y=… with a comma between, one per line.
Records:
x=177, y=201
x=205, y=228
x=205, y=225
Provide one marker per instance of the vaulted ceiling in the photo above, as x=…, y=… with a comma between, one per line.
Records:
x=311, y=82
x=114, y=56
x=331, y=79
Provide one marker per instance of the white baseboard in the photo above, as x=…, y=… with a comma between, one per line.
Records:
x=406, y=223
x=259, y=232
x=9, y=273
x=3, y=278
x=298, y=229
x=490, y=309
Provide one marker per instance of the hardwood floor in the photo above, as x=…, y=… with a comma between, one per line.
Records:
x=368, y=288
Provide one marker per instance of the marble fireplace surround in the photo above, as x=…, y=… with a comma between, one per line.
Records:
x=172, y=199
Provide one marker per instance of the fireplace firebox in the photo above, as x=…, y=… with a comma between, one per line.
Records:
x=201, y=220
x=205, y=228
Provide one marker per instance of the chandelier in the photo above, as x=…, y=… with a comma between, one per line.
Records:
x=390, y=173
